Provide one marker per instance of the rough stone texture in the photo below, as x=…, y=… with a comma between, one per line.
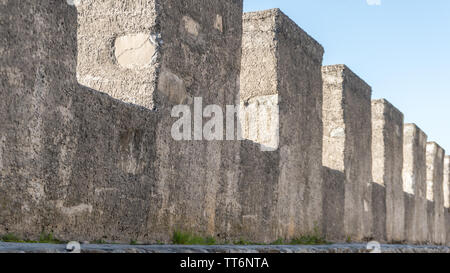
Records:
x=281, y=69
x=346, y=140
x=334, y=204
x=387, y=165
x=105, y=27
x=80, y=164
x=447, y=225
x=336, y=248
x=135, y=51
x=435, y=193
x=88, y=165
x=447, y=182
x=447, y=197
x=414, y=184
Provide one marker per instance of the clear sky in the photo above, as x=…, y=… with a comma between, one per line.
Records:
x=400, y=47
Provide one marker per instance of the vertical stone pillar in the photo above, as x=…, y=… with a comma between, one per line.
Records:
x=414, y=184
x=447, y=197
x=281, y=72
x=435, y=193
x=69, y=140
x=387, y=164
x=159, y=54
x=347, y=144
x=150, y=52
x=447, y=182
x=119, y=48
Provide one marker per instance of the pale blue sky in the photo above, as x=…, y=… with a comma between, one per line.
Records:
x=400, y=47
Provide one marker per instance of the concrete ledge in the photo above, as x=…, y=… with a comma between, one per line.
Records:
x=336, y=248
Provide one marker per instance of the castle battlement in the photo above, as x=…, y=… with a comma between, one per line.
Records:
x=86, y=149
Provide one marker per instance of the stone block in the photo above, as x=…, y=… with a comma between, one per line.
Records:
x=125, y=48
x=281, y=72
x=387, y=165
x=447, y=182
x=414, y=183
x=347, y=139
x=435, y=193
x=86, y=166
x=447, y=196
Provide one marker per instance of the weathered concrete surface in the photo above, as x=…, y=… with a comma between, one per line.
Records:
x=387, y=165
x=334, y=204
x=447, y=225
x=447, y=182
x=281, y=67
x=336, y=248
x=414, y=184
x=435, y=193
x=80, y=164
x=447, y=197
x=110, y=32
x=347, y=136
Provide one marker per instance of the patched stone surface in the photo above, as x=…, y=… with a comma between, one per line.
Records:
x=86, y=164
x=134, y=51
x=86, y=150
x=174, y=88
x=191, y=26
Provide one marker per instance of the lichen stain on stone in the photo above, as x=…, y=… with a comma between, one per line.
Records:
x=218, y=24
x=134, y=51
x=36, y=190
x=338, y=132
x=131, y=146
x=191, y=26
x=75, y=210
x=2, y=147
x=173, y=87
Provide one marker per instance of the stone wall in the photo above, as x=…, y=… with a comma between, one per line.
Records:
x=80, y=164
x=435, y=196
x=86, y=150
x=281, y=72
x=414, y=184
x=347, y=136
x=387, y=165
x=447, y=197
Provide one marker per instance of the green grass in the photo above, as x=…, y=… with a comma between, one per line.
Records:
x=185, y=238
x=309, y=240
x=179, y=238
x=278, y=242
x=48, y=238
x=315, y=238
x=100, y=242
x=44, y=238
x=11, y=238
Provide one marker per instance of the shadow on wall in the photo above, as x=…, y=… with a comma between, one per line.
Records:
x=379, y=212
x=333, y=204
x=410, y=210
x=66, y=169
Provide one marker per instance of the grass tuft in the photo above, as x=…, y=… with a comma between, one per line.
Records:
x=185, y=238
x=44, y=238
x=315, y=238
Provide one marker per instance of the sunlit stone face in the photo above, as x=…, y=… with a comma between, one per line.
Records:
x=134, y=51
